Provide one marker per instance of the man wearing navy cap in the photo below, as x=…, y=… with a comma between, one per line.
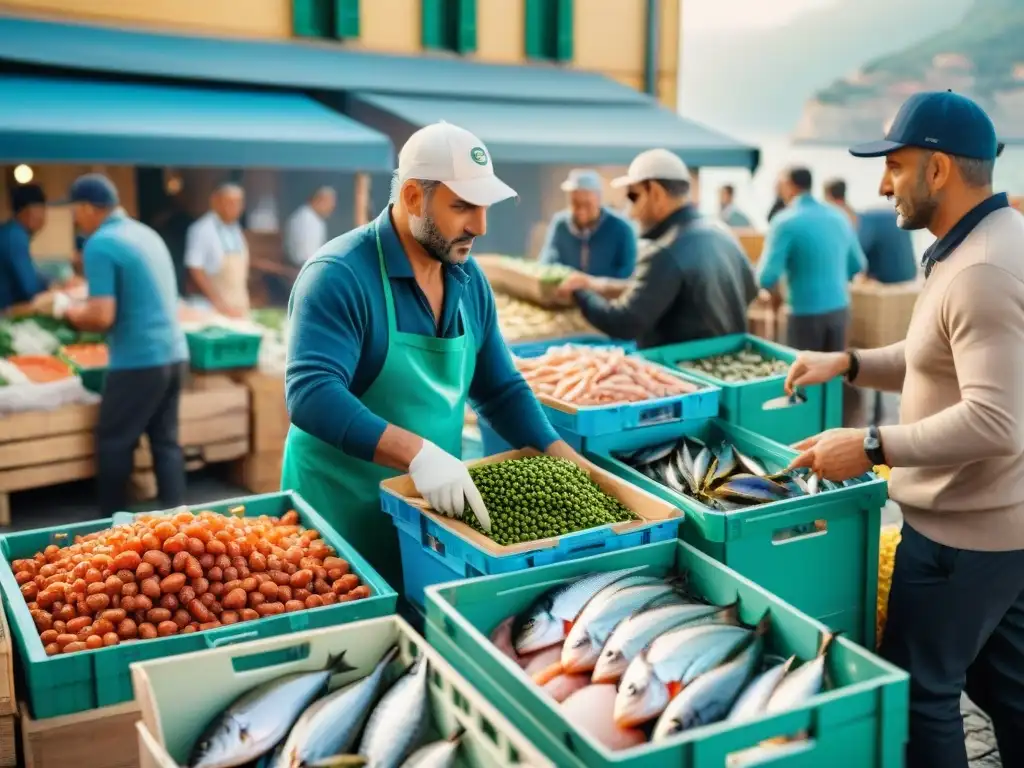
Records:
x=588, y=236
x=956, y=608
x=20, y=282
x=133, y=297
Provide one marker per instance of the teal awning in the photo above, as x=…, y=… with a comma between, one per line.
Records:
x=63, y=120
x=567, y=133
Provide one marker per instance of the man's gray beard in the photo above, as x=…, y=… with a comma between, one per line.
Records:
x=426, y=233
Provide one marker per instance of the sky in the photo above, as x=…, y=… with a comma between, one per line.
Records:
x=716, y=15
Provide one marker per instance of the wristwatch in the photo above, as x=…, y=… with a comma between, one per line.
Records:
x=873, y=447
x=854, y=369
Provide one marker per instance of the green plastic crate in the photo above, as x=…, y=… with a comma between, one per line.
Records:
x=61, y=685
x=861, y=722
x=818, y=553
x=217, y=349
x=743, y=402
x=93, y=379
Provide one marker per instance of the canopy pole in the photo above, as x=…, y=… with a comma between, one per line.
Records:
x=361, y=189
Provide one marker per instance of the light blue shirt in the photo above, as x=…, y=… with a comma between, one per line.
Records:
x=208, y=239
x=815, y=247
x=129, y=262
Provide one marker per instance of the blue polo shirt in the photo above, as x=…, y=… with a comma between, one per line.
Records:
x=889, y=250
x=814, y=245
x=339, y=339
x=611, y=245
x=127, y=261
x=19, y=280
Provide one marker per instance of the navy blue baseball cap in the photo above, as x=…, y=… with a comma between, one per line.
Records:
x=942, y=121
x=95, y=189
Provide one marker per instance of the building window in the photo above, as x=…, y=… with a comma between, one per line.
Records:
x=549, y=29
x=326, y=19
x=449, y=25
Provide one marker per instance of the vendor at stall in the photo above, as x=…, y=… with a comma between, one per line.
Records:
x=20, y=281
x=588, y=236
x=692, y=280
x=217, y=256
x=392, y=328
x=133, y=298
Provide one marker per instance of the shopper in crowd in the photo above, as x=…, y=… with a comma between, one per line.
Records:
x=889, y=250
x=20, y=281
x=728, y=210
x=217, y=255
x=956, y=609
x=692, y=281
x=393, y=326
x=133, y=299
x=306, y=229
x=813, y=246
x=588, y=236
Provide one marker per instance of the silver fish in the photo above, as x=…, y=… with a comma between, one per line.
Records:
x=708, y=698
x=800, y=684
x=637, y=632
x=751, y=465
x=653, y=454
x=671, y=663
x=751, y=489
x=701, y=462
x=813, y=484
x=673, y=479
x=400, y=721
x=683, y=461
x=258, y=719
x=548, y=619
x=332, y=724
x=722, y=465
x=439, y=754
x=753, y=701
x=603, y=613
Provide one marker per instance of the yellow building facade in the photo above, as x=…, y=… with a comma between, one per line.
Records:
x=604, y=36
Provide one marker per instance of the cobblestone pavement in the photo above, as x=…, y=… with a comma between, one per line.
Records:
x=978, y=734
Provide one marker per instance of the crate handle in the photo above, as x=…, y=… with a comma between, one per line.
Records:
x=773, y=753
x=599, y=544
x=238, y=637
x=661, y=414
x=792, y=533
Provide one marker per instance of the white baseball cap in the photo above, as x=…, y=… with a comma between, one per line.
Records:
x=654, y=164
x=455, y=157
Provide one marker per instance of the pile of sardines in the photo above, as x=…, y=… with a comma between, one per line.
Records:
x=720, y=477
x=632, y=658
x=294, y=721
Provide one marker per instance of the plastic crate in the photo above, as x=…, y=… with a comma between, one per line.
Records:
x=818, y=553
x=860, y=723
x=175, y=710
x=436, y=549
x=538, y=348
x=93, y=378
x=743, y=402
x=215, y=349
x=61, y=685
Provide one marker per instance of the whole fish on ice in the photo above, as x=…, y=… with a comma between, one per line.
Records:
x=399, y=722
x=754, y=700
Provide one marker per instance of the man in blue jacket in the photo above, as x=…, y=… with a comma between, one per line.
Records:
x=20, y=282
x=588, y=236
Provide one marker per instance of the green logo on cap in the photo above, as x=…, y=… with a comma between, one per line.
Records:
x=478, y=155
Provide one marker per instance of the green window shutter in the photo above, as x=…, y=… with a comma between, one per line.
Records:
x=312, y=18
x=346, y=19
x=433, y=23
x=563, y=31
x=536, y=23
x=464, y=15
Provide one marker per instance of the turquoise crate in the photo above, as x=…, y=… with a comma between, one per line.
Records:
x=743, y=402
x=62, y=685
x=538, y=348
x=818, y=553
x=435, y=553
x=216, y=349
x=93, y=379
x=860, y=723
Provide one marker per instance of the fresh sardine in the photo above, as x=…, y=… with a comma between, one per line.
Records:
x=683, y=461
x=439, y=754
x=331, y=725
x=603, y=613
x=549, y=618
x=722, y=465
x=749, y=464
x=399, y=723
x=751, y=489
x=802, y=683
x=637, y=632
x=701, y=463
x=813, y=483
x=672, y=478
x=709, y=698
x=652, y=454
x=258, y=719
x=753, y=701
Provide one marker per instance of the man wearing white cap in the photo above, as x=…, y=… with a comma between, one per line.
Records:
x=587, y=236
x=392, y=328
x=692, y=279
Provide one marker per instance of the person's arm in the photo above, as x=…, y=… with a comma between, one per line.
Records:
x=883, y=369
x=983, y=313
x=774, y=256
x=549, y=250
x=625, y=255
x=99, y=311
x=647, y=297
x=501, y=395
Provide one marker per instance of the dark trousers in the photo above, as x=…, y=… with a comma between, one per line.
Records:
x=139, y=402
x=818, y=333
x=956, y=622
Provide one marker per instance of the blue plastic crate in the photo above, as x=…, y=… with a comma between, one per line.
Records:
x=435, y=552
x=538, y=348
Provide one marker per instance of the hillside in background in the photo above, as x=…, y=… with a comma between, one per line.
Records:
x=980, y=55
x=757, y=82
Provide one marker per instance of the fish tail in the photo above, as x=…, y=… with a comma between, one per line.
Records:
x=764, y=625
x=730, y=611
x=337, y=665
x=457, y=735
x=337, y=761
x=826, y=641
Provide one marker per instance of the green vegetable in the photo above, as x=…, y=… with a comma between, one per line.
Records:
x=549, y=274
x=539, y=497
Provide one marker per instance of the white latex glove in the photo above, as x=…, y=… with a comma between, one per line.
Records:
x=61, y=302
x=445, y=483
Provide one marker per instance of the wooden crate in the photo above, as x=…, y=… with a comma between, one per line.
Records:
x=752, y=242
x=880, y=313
x=268, y=413
x=258, y=472
x=8, y=741
x=97, y=738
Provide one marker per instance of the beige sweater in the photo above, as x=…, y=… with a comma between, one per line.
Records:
x=958, y=451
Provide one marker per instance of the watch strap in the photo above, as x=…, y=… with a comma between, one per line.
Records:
x=874, y=453
x=854, y=369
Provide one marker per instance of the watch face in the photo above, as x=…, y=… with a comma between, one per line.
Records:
x=871, y=443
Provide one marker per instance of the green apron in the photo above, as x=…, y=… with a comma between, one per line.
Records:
x=422, y=388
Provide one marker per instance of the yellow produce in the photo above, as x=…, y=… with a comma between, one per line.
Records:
x=890, y=539
x=521, y=321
